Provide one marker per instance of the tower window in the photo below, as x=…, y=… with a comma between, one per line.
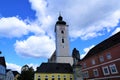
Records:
x=62, y=32
x=62, y=40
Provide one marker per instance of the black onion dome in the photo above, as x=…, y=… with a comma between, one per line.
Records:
x=60, y=21
x=60, y=18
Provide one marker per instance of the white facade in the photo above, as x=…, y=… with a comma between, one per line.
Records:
x=9, y=75
x=2, y=72
x=62, y=40
x=62, y=52
x=67, y=59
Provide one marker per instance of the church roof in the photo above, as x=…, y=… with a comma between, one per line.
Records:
x=2, y=61
x=55, y=68
x=60, y=21
x=113, y=40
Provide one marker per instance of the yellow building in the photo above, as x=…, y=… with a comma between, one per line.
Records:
x=54, y=71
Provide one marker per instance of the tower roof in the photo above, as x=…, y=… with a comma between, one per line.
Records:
x=60, y=20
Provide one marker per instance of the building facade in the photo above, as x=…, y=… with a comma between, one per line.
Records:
x=62, y=52
x=54, y=71
x=9, y=75
x=2, y=68
x=102, y=62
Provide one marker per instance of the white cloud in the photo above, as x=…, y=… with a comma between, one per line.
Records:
x=13, y=27
x=44, y=17
x=13, y=67
x=86, y=50
x=116, y=31
x=87, y=19
x=35, y=46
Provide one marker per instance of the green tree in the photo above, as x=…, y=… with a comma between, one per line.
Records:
x=27, y=73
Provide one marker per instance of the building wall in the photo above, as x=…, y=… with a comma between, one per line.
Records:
x=41, y=76
x=100, y=66
x=67, y=59
x=62, y=40
x=2, y=72
x=9, y=75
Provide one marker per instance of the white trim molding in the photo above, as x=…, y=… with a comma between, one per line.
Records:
x=118, y=59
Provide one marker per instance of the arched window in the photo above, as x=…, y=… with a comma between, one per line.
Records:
x=62, y=32
x=62, y=40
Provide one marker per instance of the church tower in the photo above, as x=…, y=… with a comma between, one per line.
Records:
x=62, y=39
x=62, y=52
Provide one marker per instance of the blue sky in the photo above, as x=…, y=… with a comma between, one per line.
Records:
x=27, y=27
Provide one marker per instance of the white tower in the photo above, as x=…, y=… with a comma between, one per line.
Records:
x=62, y=39
x=62, y=52
x=62, y=42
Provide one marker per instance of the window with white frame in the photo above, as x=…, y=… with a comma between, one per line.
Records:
x=46, y=77
x=108, y=55
x=105, y=70
x=95, y=72
x=101, y=58
x=53, y=77
x=39, y=78
x=113, y=69
x=85, y=74
x=93, y=61
x=64, y=77
x=58, y=77
x=70, y=77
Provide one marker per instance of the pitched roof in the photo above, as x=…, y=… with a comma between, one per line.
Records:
x=15, y=73
x=54, y=68
x=7, y=70
x=113, y=40
x=2, y=61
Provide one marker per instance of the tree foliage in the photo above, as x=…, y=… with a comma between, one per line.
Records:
x=27, y=73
